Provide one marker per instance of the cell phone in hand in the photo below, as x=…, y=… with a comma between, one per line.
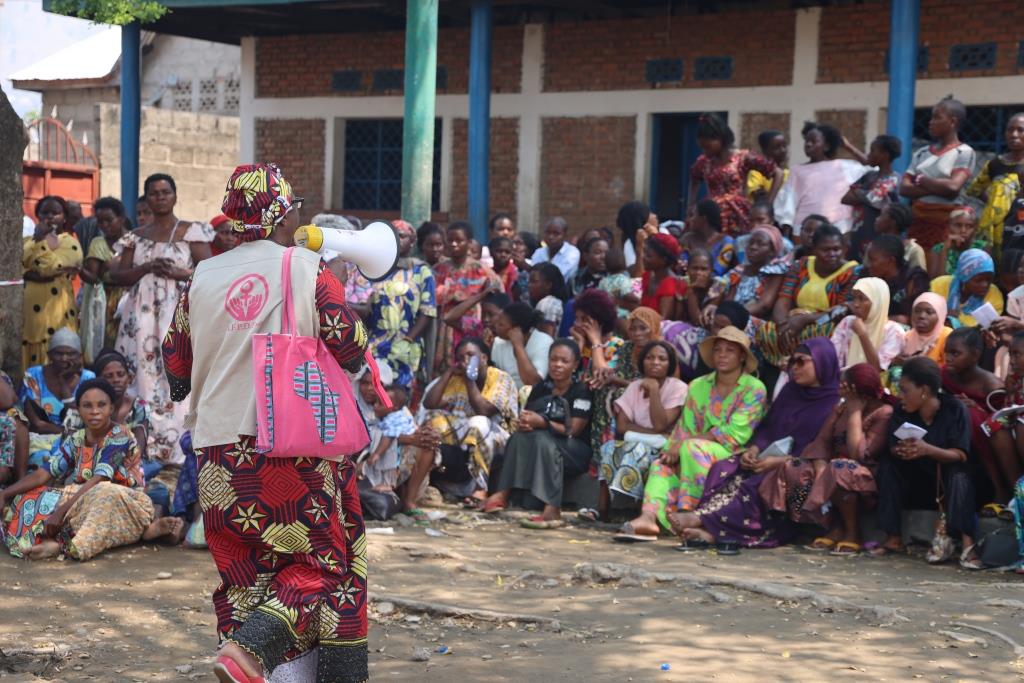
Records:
x=473, y=369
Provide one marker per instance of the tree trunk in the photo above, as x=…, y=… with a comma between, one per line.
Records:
x=13, y=139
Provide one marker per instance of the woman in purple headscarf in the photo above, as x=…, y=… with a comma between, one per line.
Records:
x=731, y=513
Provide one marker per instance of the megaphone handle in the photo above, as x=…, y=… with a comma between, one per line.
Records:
x=378, y=386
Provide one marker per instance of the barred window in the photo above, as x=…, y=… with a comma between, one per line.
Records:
x=208, y=95
x=373, y=165
x=182, y=96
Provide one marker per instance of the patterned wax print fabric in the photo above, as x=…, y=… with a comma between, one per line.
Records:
x=727, y=185
x=49, y=305
x=395, y=304
x=454, y=285
x=35, y=389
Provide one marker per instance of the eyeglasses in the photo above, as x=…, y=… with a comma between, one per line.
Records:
x=798, y=361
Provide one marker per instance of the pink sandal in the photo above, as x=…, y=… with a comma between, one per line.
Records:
x=228, y=671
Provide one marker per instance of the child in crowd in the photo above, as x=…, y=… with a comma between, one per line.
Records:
x=381, y=467
x=706, y=232
x=547, y=293
x=962, y=235
x=875, y=190
x=501, y=255
x=774, y=147
x=894, y=219
x=476, y=249
x=619, y=284
x=699, y=279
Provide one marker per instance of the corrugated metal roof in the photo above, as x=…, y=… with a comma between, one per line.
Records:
x=92, y=60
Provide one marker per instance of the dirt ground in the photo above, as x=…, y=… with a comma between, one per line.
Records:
x=624, y=613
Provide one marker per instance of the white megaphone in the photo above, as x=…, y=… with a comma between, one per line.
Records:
x=374, y=249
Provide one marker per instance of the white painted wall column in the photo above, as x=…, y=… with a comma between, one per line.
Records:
x=803, y=104
x=246, y=105
x=528, y=190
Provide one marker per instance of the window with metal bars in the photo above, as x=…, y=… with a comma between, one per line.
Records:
x=712, y=68
x=348, y=80
x=983, y=130
x=373, y=165
x=663, y=70
x=972, y=57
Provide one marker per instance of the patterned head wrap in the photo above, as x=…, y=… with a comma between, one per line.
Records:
x=774, y=238
x=964, y=212
x=404, y=227
x=256, y=199
x=972, y=263
x=649, y=317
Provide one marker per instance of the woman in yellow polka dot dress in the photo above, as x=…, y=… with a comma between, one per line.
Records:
x=51, y=261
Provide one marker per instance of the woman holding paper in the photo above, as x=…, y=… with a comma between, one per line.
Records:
x=928, y=454
x=731, y=512
x=650, y=406
x=970, y=288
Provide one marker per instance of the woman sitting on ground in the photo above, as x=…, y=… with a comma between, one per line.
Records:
x=594, y=333
x=868, y=336
x=818, y=284
x=13, y=434
x=720, y=414
x=100, y=505
x=838, y=468
x=913, y=470
x=519, y=348
x=471, y=406
x=965, y=380
x=650, y=405
x=928, y=331
x=548, y=293
x=885, y=260
x=686, y=338
x=550, y=443
x=130, y=410
x=970, y=288
x=731, y=512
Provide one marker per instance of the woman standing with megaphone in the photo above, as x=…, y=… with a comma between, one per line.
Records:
x=286, y=534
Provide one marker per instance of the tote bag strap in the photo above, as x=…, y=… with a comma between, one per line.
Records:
x=378, y=386
x=288, y=312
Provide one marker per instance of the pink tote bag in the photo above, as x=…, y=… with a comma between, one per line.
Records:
x=305, y=406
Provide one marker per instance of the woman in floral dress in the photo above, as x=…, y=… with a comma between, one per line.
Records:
x=156, y=261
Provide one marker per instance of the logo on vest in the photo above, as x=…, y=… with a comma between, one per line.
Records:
x=245, y=299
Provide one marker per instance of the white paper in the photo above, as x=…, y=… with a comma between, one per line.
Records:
x=910, y=431
x=777, y=448
x=985, y=315
x=653, y=440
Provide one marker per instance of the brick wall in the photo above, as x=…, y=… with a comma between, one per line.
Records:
x=586, y=169
x=854, y=39
x=198, y=150
x=612, y=55
x=303, y=65
x=503, y=167
x=297, y=146
x=753, y=124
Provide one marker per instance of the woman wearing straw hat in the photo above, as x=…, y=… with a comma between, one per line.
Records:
x=286, y=534
x=721, y=411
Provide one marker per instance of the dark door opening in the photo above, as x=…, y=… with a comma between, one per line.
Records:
x=673, y=151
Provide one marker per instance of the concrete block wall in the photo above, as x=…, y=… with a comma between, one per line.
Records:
x=198, y=150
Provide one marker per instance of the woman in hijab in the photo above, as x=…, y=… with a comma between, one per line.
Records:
x=731, y=513
x=970, y=288
x=868, y=336
x=286, y=534
x=928, y=331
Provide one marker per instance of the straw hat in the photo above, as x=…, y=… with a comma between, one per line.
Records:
x=729, y=334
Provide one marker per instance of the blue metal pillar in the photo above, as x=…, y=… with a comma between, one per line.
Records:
x=131, y=113
x=420, y=96
x=903, y=39
x=479, y=117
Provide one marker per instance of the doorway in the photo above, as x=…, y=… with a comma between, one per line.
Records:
x=673, y=151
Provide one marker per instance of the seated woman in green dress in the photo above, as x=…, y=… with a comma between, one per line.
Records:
x=719, y=416
x=87, y=499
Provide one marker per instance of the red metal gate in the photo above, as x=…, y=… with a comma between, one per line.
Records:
x=57, y=164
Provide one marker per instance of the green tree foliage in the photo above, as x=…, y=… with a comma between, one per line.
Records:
x=117, y=12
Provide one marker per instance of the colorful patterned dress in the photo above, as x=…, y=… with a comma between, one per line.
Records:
x=395, y=304
x=286, y=534
x=727, y=185
x=49, y=306
x=620, y=357
x=712, y=427
x=110, y=514
x=454, y=285
x=147, y=314
x=999, y=182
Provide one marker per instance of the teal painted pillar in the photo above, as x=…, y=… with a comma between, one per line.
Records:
x=903, y=37
x=131, y=114
x=418, y=124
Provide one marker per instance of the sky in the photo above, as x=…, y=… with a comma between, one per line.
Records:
x=28, y=34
